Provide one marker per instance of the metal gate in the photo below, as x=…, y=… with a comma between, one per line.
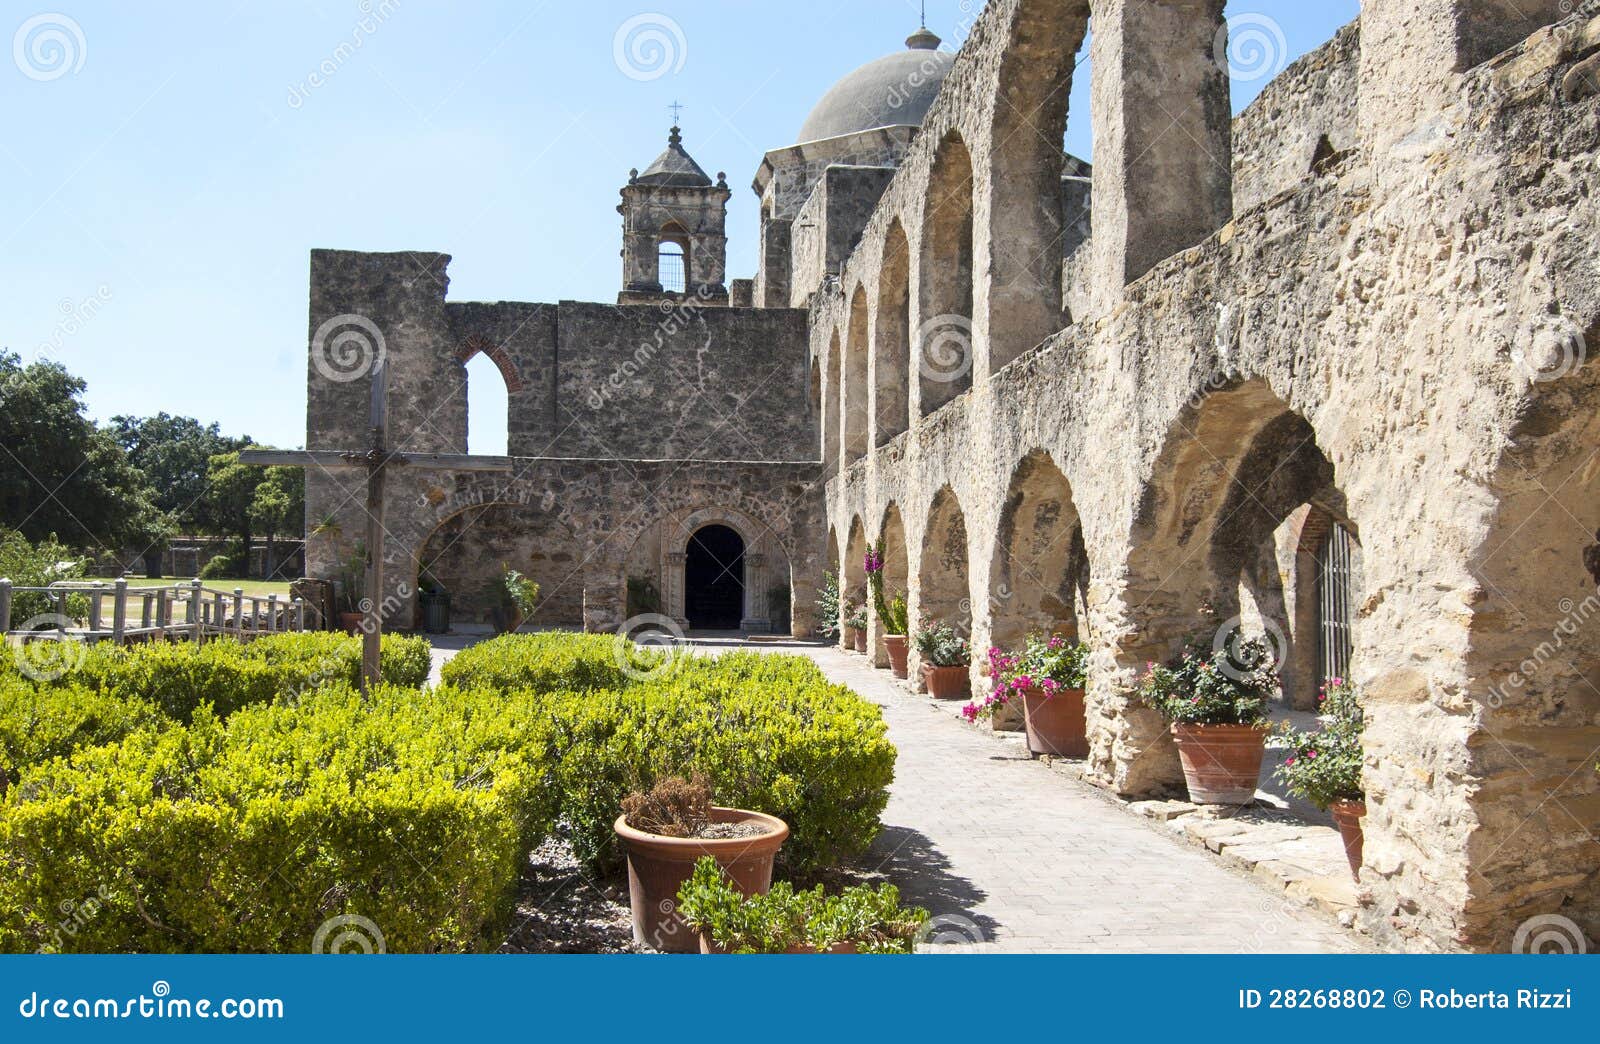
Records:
x=1335, y=592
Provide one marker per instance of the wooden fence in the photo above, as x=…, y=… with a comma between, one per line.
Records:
x=79, y=611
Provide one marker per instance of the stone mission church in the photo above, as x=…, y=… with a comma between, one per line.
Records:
x=1319, y=371
x=667, y=443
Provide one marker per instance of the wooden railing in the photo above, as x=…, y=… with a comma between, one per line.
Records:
x=79, y=611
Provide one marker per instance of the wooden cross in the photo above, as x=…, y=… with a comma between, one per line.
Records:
x=377, y=459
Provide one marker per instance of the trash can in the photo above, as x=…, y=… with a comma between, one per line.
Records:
x=436, y=612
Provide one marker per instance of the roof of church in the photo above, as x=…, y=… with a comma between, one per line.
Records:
x=894, y=91
x=674, y=167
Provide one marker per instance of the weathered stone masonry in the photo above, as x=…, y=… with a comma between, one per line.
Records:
x=1366, y=302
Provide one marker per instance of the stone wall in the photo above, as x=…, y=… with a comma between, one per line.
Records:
x=829, y=226
x=1397, y=336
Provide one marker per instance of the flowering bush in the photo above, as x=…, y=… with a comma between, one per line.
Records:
x=828, y=606
x=1213, y=688
x=855, y=616
x=1048, y=663
x=1325, y=766
x=941, y=646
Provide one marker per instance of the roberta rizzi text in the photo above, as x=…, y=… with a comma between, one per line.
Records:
x=1377, y=998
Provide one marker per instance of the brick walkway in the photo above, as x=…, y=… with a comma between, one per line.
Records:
x=1040, y=862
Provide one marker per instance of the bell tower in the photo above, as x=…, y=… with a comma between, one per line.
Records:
x=674, y=231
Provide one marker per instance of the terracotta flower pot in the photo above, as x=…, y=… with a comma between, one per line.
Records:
x=898, y=647
x=1221, y=763
x=945, y=683
x=506, y=619
x=1056, y=725
x=658, y=866
x=1347, y=816
x=858, y=639
x=350, y=623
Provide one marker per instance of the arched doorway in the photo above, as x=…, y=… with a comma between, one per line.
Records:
x=713, y=572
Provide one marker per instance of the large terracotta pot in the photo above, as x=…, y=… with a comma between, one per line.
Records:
x=506, y=619
x=945, y=683
x=1347, y=816
x=898, y=648
x=858, y=639
x=1221, y=763
x=1056, y=724
x=350, y=623
x=658, y=866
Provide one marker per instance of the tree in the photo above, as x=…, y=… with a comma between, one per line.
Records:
x=225, y=508
x=175, y=455
x=60, y=475
x=279, y=506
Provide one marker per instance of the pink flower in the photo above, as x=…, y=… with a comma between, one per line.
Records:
x=1291, y=761
x=1055, y=642
x=1023, y=682
x=1050, y=685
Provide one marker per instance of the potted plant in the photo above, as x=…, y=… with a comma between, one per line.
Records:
x=518, y=597
x=855, y=626
x=1324, y=767
x=1217, y=705
x=665, y=831
x=352, y=587
x=891, y=613
x=946, y=661
x=1047, y=676
x=861, y=919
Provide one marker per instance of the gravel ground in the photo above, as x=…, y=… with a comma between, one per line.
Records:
x=561, y=909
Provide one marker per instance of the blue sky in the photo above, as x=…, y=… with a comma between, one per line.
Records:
x=163, y=186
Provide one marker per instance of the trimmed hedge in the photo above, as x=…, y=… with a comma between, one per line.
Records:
x=179, y=677
x=770, y=732
x=546, y=662
x=38, y=724
x=246, y=836
x=255, y=821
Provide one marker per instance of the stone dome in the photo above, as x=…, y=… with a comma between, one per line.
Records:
x=894, y=91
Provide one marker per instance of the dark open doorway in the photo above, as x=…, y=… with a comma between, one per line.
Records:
x=714, y=579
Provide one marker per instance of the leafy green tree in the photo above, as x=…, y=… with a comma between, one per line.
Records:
x=60, y=475
x=28, y=564
x=175, y=455
x=279, y=508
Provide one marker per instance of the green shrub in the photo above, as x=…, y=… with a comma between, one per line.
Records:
x=179, y=677
x=222, y=567
x=769, y=732
x=866, y=919
x=38, y=724
x=35, y=565
x=411, y=809
x=544, y=662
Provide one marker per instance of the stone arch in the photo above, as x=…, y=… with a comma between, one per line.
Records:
x=1204, y=551
x=943, y=350
x=832, y=437
x=662, y=549
x=1039, y=581
x=944, y=588
x=1531, y=726
x=1308, y=536
x=891, y=339
x=466, y=548
x=673, y=261
x=1024, y=174
x=501, y=358
x=853, y=371
x=896, y=570
x=853, y=574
